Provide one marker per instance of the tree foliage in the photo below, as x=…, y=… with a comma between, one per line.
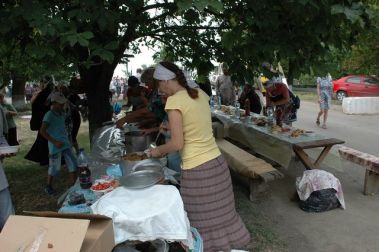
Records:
x=300, y=33
x=96, y=35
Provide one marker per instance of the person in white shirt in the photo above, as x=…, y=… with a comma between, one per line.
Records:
x=224, y=87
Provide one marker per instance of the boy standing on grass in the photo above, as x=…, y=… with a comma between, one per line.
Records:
x=54, y=130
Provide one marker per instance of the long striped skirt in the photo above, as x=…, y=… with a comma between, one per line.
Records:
x=208, y=198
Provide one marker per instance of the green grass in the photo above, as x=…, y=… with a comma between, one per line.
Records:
x=27, y=181
x=263, y=237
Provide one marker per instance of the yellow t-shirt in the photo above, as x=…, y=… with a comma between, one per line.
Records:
x=199, y=143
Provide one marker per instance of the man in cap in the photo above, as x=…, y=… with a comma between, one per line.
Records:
x=54, y=130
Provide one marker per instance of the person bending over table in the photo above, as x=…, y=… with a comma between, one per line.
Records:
x=206, y=186
x=154, y=110
x=278, y=97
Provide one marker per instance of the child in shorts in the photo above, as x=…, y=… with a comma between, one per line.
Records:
x=54, y=130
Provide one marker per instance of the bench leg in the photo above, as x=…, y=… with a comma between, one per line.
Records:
x=371, y=183
x=258, y=189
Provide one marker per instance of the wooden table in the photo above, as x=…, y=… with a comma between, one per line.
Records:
x=280, y=147
x=306, y=160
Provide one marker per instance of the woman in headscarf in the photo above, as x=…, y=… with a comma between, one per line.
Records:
x=224, y=86
x=278, y=97
x=40, y=105
x=206, y=186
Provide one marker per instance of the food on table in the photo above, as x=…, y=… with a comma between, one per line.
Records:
x=297, y=133
x=100, y=186
x=276, y=129
x=115, y=183
x=226, y=109
x=135, y=156
x=260, y=121
x=286, y=130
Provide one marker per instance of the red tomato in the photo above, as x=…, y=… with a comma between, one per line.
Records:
x=101, y=186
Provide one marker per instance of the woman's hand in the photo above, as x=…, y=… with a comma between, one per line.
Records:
x=155, y=153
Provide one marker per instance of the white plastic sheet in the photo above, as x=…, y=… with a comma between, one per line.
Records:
x=144, y=215
x=316, y=180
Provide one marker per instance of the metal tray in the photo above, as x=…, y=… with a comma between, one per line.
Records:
x=141, y=179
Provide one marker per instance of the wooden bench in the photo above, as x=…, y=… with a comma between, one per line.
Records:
x=367, y=161
x=257, y=171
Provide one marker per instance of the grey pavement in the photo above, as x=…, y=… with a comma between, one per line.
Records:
x=353, y=229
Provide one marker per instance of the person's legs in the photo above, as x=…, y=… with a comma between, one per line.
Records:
x=325, y=118
x=54, y=167
x=323, y=104
x=71, y=164
x=318, y=117
x=6, y=206
x=12, y=136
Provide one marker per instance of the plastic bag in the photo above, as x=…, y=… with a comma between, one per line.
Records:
x=320, y=201
x=108, y=144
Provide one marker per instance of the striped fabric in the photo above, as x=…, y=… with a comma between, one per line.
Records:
x=208, y=198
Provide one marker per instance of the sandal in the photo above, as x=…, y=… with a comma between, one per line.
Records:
x=318, y=122
x=324, y=126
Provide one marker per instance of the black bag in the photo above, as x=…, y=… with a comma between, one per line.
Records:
x=295, y=100
x=320, y=201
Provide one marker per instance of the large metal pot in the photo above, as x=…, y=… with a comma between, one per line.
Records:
x=136, y=141
x=128, y=166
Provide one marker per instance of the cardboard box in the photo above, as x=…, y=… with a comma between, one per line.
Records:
x=65, y=232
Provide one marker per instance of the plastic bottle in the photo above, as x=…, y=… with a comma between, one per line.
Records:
x=237, y=109
x=247, y=107
x=84, y=171
x=212, y=102
x=218, y=102
x=270, y=116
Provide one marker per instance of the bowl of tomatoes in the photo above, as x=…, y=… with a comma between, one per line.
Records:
x=101, y=187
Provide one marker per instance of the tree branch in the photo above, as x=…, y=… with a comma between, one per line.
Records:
x=180, y=27
x=158, y=5
x=163, y=15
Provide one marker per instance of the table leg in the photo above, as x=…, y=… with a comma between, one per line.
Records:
x=322, y=155
x=304, y=158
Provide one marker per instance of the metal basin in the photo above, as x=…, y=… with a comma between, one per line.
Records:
x=136, y=141
x=141, y=179
x=148, y=167
x=128, y=166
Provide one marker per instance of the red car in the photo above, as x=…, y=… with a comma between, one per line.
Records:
x=355, y=85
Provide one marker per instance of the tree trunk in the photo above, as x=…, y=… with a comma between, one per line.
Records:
x=96, y=80
x=18, y=92
x=291, y=71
